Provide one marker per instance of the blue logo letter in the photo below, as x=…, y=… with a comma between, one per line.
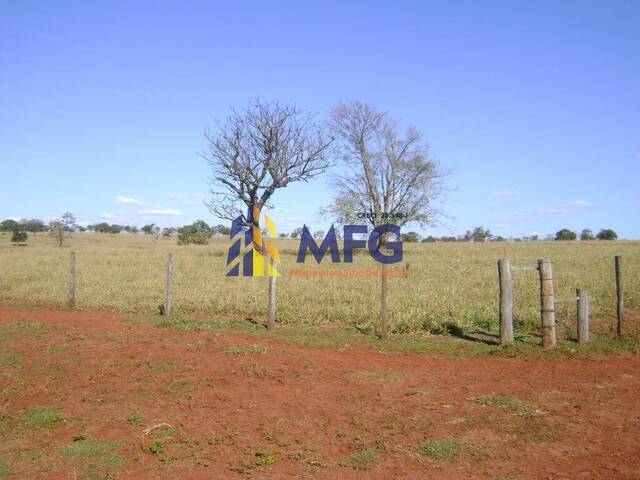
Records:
x=350, y=243
x=330, y=242
x=374, y=243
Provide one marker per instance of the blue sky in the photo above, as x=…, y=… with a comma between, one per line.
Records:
x=534, y=106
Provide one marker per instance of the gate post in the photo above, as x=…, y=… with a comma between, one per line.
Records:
x=547, y=305
x=168, y=303
x=506, y=301
x=583, y=315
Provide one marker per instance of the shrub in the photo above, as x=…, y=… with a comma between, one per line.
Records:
x=18, y=237
x=195, y=238
x=198, y=233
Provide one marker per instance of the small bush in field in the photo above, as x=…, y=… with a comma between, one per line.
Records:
x=19, y=238
x=197, y=233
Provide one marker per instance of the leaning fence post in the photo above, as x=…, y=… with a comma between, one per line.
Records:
x=506, y=301
x=547, y=305
x=583, y=315
x=71, y=287
x=619, y=294
x=271, y=309
x=169, y=300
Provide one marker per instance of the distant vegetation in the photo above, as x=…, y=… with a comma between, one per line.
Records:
x=26, y=225
x=187, y=235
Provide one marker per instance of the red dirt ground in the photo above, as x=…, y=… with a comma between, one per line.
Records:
x=294, y=412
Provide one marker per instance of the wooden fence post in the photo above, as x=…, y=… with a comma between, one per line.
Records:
x=169, y=299
x=619, y=294
x=506, y=301
x=71, y=286
x=583, y=315
x=271, y=308
x=547, y=304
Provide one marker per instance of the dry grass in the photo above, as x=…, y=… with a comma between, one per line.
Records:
x=449, y=283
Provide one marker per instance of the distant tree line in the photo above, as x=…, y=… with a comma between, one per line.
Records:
x=480, y=234
x=25, y=225
x=67, y=223
x=586, y=235
x=200, y=232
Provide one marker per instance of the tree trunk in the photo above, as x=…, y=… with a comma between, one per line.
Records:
x=253, y=219
x=384, y=294
x=271, y=308
x=383, y=331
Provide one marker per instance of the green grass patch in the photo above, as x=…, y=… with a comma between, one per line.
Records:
x=359, y=460
x=56, y=351
x=254, y=370
x=372, y=376
x=5, y=469
x=181, y=387
x=98, y=453
x=315, y=465
x=134, y=419
x=513, y=405
x=164, y=365
x=247, y=349
x=157, y=447
x=536, y=429
x=13, y=360
x=21, y=326
x=447, y=449
x=42, y=417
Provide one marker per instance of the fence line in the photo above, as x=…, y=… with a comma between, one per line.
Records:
x=505, y=278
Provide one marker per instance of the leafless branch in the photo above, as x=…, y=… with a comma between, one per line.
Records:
x=260, y=149
x=383, y=171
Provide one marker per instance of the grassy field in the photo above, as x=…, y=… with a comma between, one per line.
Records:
x=448, y=283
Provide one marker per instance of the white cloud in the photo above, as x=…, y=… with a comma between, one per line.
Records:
x=124, y=200
x=143, y=208
x=574, y=206
x=161, y=211
x=107, y=215
x=505, y=193
x=569, y=207
x=190, y=200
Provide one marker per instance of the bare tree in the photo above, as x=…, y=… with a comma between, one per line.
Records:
x=386, y=174
x=62, y=228
x=254, y=152
x=259, y=149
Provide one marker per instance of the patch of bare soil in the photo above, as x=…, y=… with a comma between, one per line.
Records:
x=86, y=395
